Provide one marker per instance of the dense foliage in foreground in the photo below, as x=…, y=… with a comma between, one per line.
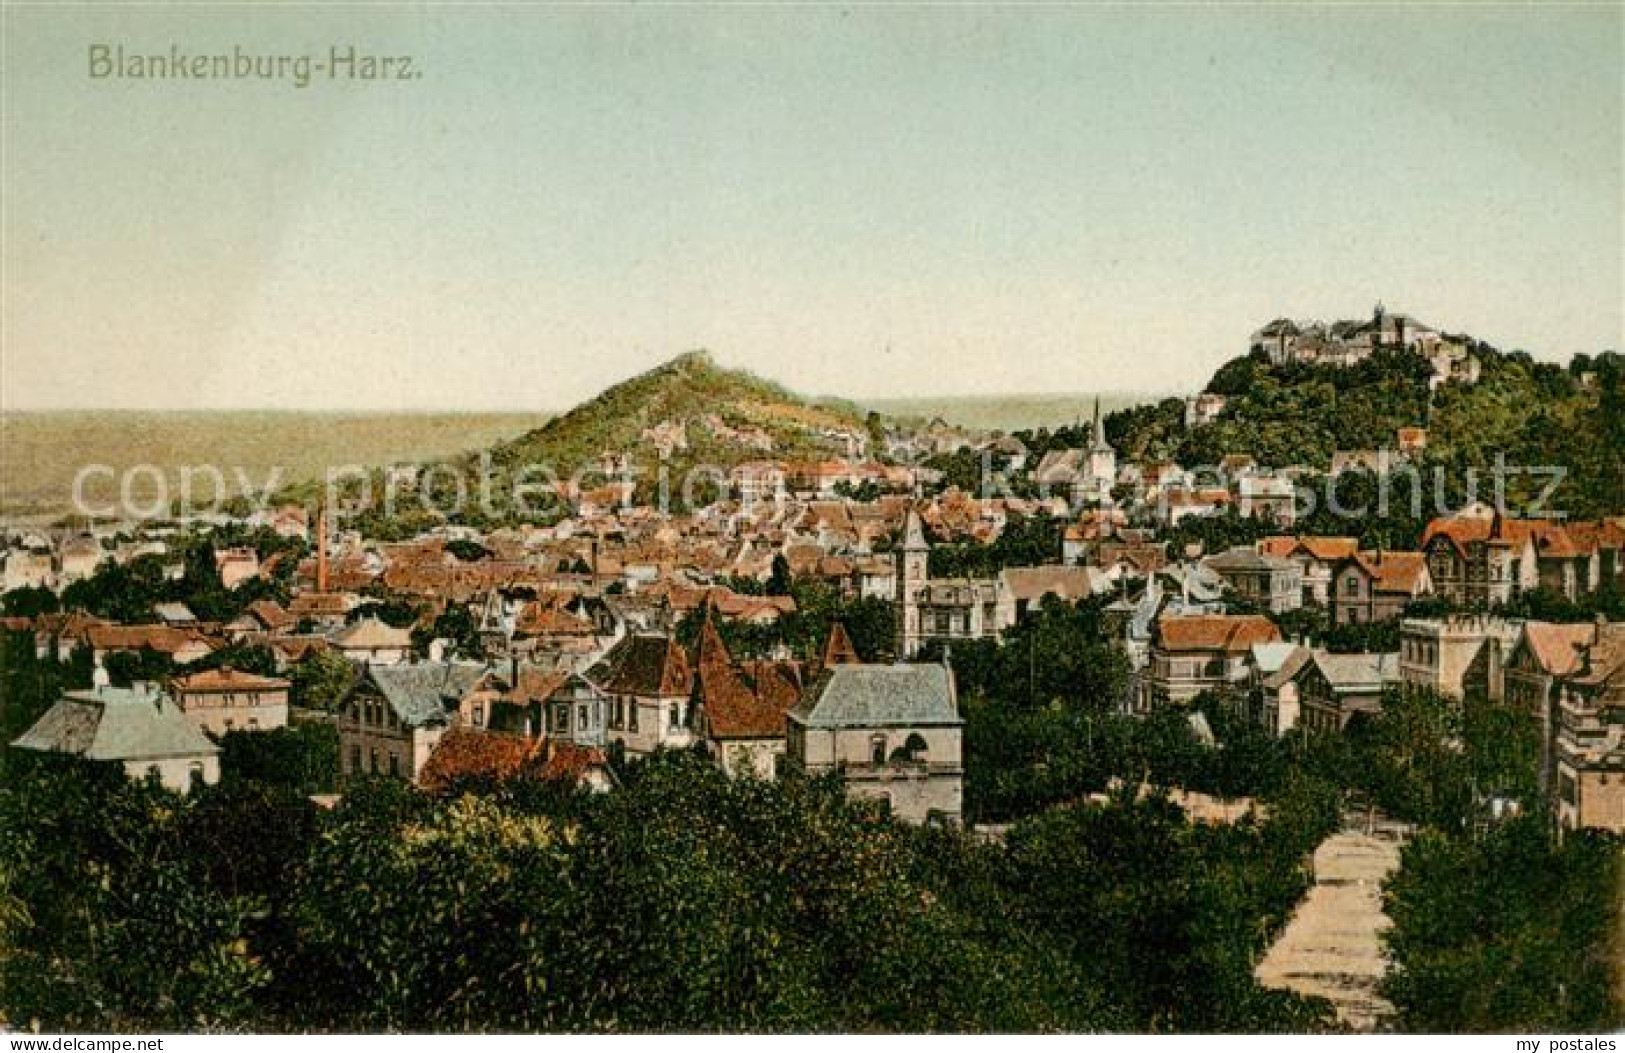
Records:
x=1514, y=931
x=682, y=901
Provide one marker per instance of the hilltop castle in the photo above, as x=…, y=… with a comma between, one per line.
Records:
x=1348, y=342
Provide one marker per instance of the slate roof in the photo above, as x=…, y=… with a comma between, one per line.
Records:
x=116, y=724
x=1358, y=672
x=1242, y=560
x=172, y=613
x=420, y=692
x=1268, y=658
x=857, y=696
x=1289, y=666
x=913, y=532
x=1202, y=585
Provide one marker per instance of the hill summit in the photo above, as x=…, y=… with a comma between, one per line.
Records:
x=690, y=411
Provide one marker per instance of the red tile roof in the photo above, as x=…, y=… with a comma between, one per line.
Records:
x=569, y=762
x=1231, y=633
x=163, y=638
x=1561, y=540
x=471, y=753
x=1400, y=572
x=838, y=648
x=1559, y=648
x=227, y=679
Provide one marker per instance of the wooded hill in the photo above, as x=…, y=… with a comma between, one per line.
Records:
x=1532, y=413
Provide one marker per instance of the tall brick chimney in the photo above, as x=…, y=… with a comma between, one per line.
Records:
x=321, y=549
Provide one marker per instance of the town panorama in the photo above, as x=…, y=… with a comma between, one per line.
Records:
x=910, y=520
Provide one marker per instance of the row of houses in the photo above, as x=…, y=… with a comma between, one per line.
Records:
x=1476, y=560
x=893, y=731
x=1569, y=677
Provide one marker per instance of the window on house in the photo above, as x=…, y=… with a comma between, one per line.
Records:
x=479, y=714
x=194, y=774
x=253, y=723
x=674, y=717
x=372, y=760
x=581, y=716
x=355, y=758
x=632, y=715
x=395, y=765
x=877, y=749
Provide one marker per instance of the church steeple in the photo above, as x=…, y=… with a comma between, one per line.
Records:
x=912, y=574
x=1098, y=441
x=914, y=534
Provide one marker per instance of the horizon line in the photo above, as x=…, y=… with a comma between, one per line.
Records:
x=515, y=410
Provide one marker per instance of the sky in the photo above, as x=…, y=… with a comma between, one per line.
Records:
x=854, y=200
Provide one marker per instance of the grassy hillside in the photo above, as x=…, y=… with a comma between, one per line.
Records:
x=685, y=390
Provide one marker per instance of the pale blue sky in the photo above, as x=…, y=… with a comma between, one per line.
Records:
x=864, y=201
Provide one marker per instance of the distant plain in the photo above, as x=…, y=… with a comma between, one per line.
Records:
x=41, y=452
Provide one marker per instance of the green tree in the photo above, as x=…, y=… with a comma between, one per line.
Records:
x=1509, y=933
x=30, y=601
x=320, y=681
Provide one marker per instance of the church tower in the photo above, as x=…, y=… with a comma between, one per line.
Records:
x=912, y=570
x=1101, y=470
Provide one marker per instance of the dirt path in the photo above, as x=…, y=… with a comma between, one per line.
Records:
x=1331, y=947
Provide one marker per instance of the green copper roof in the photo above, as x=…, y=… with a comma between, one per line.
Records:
x=852, y=696
x=116, y=724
